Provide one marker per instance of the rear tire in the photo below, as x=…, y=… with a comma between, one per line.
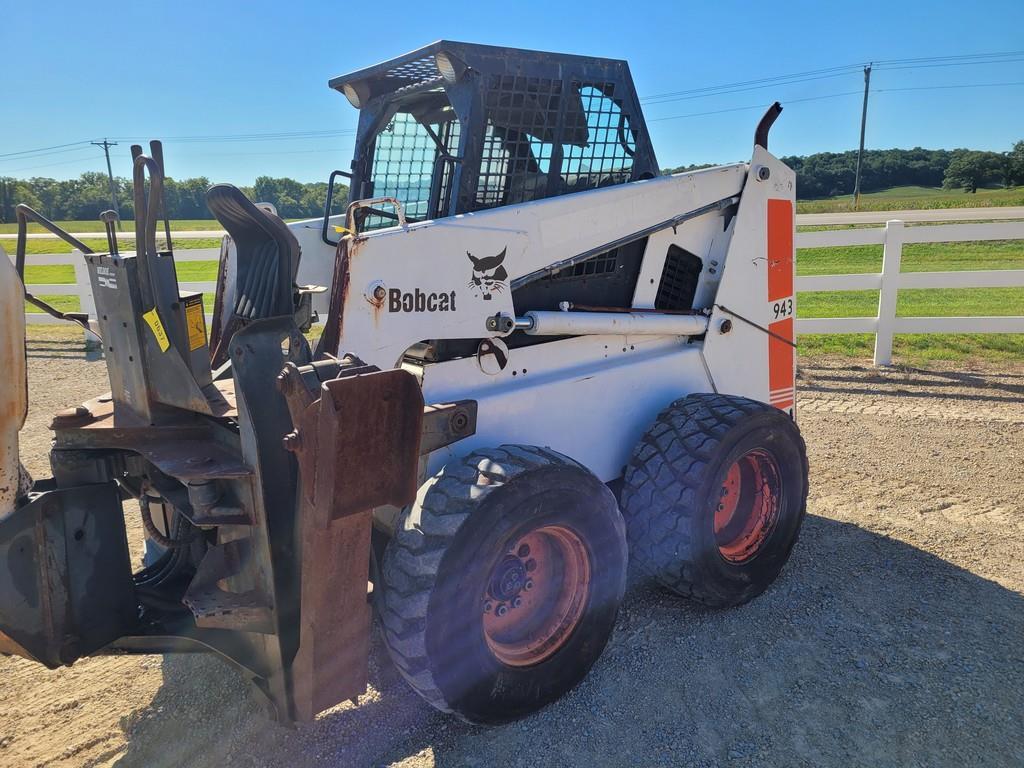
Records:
x=458, y=618
x=714, y=496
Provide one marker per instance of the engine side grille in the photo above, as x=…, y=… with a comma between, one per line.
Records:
x=679, y=278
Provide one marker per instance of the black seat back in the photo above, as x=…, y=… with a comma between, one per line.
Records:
x=267, y=255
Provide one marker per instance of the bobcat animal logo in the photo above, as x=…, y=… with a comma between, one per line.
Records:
x=489, y=275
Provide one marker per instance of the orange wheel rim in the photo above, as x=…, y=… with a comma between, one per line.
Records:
x=536, y=596
x=748, y=506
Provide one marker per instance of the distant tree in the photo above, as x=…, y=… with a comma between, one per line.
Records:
x=1015, y=164
x=969, y=169
x=686, y=168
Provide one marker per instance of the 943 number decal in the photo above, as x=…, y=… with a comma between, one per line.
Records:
x=783, y=308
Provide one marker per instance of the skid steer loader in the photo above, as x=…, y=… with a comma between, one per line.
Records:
x=537, y=355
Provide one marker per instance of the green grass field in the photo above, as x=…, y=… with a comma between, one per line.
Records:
x=914, y=198
x=100, y=243
x=917, y=257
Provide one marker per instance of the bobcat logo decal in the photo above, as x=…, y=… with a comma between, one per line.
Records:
x=489, y=275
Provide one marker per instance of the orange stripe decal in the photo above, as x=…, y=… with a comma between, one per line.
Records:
x=781, y=356
x=780, y=364
x=780, y=249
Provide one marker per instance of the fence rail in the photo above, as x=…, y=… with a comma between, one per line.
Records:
x=82, y=288
x=888, y=282
x=891, y=279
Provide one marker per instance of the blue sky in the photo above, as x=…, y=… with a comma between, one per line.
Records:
x=185, y=68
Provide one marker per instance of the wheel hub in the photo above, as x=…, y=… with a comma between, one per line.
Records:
x=748, y=506
x=509, y=578
x=536, y=596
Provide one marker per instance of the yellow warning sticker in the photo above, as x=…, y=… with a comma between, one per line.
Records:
x=153, y=321
x=196, y=323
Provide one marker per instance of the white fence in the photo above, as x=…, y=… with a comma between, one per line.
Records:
x=887, y=282
x=82, y=288
x=891, y=279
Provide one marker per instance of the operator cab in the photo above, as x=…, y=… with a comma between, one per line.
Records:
x=456, y=127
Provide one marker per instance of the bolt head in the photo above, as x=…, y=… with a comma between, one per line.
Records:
x=379, y=292
x=488, y=606
x=501, y=610
x=517, y=601
x=528, y=585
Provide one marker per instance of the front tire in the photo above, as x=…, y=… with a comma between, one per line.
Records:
x=714, y=496
x=502, y=583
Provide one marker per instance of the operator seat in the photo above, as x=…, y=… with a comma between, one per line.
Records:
x=266, y=263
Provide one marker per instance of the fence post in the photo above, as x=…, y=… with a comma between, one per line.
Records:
x=86, y=303
x=892, y=254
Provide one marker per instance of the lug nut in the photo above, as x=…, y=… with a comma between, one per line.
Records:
x=501, y=610
x=292, y=441
x=517, y=601
x=524, y=550
x=528, y=585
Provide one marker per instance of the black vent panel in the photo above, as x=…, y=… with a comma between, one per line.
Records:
x=679, y=278
x=605, y=264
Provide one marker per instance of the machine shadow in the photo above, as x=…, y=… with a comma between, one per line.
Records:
x=913, y=382
x=865, y=647
x=62, y=349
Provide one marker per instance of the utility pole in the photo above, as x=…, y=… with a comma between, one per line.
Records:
x=110, y=175
x=863, y=122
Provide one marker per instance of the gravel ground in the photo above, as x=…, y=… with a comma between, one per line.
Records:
x=893, y=637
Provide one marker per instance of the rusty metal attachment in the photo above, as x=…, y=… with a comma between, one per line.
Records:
x=357, y=446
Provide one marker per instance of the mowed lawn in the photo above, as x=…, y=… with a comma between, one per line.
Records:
x=935, y=302
x=917, y=257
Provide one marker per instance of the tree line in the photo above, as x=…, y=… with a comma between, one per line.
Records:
x=824, y=174
x=827, y=174
x=87, y=196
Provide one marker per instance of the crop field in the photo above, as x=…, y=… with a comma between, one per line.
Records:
x=915, y=198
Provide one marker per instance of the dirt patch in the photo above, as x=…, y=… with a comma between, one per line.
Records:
x=892, y=637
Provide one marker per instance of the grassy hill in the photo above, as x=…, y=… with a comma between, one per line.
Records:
x=914, y=198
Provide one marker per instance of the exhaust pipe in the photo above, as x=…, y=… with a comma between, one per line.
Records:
x=14, y=392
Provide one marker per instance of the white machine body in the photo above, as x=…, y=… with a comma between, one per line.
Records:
x=593, y=389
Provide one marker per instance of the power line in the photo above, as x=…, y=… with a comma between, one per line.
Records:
x=945, y=87
x=84, y=148
x=275, y=136
x=947, y=58
x=893, y=68
x=744, y=89
x=48, y=165
x=787, y=102
x=41, y=149
x=829, y=72
x=773, y=79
